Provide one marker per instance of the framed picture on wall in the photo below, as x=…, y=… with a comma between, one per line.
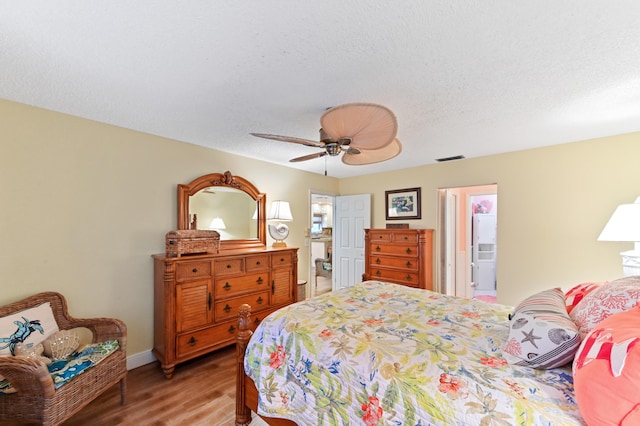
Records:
x=401, y=204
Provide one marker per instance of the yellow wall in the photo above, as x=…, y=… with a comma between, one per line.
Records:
x=85, y=204
x=553, y=203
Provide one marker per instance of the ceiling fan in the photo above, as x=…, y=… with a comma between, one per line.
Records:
x=364, y=132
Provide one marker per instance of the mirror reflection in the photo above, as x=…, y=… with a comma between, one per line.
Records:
x=230, y=212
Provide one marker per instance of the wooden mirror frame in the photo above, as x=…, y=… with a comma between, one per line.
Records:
x=226, y=179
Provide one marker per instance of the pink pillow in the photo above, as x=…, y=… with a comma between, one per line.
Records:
x=608, y=299
x=578, y=292
x=606, y=371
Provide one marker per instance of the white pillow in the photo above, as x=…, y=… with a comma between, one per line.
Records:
x=30, y=326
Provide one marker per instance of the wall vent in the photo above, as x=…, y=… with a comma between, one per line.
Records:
x=455, y=157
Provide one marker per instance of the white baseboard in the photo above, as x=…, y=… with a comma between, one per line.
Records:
x=140, y=359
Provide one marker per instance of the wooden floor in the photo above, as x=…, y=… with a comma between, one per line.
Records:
x=201, y=392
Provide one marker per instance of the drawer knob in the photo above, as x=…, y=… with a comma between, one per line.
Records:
x=227, y=308
x=227, y=286
x=408, y=251
x=258, y=263
x=259, y=301
x=378, y=272
x=408, y=278
x=194, y=270
x=406, y=238
x=228, y=266
x=378, y=261
x=232, y=329
x=259, y=280
x=281, y=259
x=192, y=341
x=378, y=248
x=408, y=264
x=256, y=321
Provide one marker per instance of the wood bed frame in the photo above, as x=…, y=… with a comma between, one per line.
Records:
x=246, y=391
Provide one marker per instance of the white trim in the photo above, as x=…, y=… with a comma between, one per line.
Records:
x=140, y=359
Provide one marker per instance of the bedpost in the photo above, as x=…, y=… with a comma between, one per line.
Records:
x=243, y=413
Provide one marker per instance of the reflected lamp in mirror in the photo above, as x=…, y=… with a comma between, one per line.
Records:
x=624, y=225
x=280, y=211
x=217, y=223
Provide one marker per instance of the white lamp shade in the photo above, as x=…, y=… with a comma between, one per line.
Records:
x=280, y=210
x=624, y=224
x=217, y=223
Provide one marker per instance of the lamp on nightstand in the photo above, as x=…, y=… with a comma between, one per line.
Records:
x=624, y=225
x=281, y=211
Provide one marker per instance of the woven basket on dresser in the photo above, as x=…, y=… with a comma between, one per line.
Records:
x=191, y=241
x=36, y=399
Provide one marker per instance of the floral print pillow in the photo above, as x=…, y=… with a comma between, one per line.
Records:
x=608, y=299
x=579, y=292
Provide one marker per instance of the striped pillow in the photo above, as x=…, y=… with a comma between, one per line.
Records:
x=541, y=333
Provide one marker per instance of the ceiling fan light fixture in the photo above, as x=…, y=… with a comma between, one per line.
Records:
x=371, y=156
x=369, y=126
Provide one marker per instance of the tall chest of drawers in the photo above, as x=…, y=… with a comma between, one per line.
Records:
x=196, y=298
x=401, y=256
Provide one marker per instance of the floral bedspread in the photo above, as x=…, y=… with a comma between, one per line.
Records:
x=385, y=354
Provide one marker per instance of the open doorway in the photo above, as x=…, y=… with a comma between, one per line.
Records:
x=321, y=242
x=468, y=241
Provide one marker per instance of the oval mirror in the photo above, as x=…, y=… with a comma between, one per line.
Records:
x=228, y=204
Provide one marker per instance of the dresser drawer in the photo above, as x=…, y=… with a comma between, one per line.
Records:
x=380, y=236
x=227, y=287
x=199, y=340
x=257, y=263
x=229, y=307
x=408, y=263
x=405, y=237
x=281, y=259
x=228, y=266
x=405, y=277
x=190, y=270
x=408, y=250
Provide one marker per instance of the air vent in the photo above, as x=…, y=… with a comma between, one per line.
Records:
x=455, y=157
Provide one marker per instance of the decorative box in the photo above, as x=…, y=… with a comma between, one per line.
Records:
x=191, y=241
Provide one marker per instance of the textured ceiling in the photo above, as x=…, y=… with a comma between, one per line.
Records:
x=463, y=77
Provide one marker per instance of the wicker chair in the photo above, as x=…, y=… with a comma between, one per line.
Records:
x=322, y=270
x=36, y=399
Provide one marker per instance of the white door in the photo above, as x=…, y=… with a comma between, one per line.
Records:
x=450, y=228
x=351, y=216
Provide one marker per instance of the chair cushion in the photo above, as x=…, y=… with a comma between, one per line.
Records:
x=63, y=371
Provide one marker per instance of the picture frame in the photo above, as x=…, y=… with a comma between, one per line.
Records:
x=402, y=204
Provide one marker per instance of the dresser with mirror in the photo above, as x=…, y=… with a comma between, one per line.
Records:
x=197, y=296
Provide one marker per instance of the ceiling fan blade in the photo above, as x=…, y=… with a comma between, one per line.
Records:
x=370, y=126
x=308, y=157
x=307, y=142
x=371, y=156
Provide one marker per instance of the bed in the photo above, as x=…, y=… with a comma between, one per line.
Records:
x=380, y=353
